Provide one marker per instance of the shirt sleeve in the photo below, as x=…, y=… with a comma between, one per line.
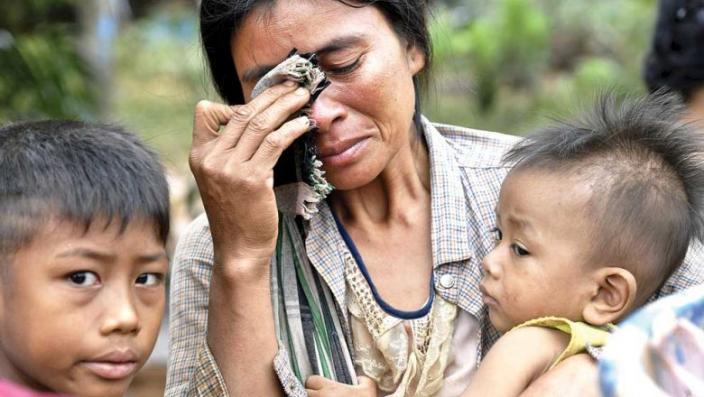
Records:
x=192, y=370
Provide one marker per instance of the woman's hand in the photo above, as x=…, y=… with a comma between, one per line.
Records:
x=318, y=386
x=232, y=158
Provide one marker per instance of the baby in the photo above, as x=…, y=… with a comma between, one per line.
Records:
x=84, y=216
x=593, y=218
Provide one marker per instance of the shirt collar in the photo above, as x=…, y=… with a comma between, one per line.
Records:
x=449, y=209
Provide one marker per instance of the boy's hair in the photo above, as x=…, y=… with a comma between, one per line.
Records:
x=646, y=169
x=75, y=171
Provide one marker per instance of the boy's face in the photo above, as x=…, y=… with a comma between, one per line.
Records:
x=538, y=266
x=80, y=311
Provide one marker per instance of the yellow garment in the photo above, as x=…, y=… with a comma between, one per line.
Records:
x=581, y=334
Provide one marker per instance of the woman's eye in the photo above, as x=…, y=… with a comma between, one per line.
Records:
x=83, y=279
x=149, y=279
x=339, y=70
x=518, y=250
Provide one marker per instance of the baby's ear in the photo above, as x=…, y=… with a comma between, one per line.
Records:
x=614, y=296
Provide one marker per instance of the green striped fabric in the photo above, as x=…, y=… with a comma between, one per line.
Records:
x=305, y=313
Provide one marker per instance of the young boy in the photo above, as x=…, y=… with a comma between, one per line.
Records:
x=594, y=217
x=84, y=216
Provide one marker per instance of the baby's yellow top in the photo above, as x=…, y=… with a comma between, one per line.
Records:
x=581, y=334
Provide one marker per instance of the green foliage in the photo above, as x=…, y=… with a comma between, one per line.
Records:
x=528, y=59
x=507, y=46
x=160, y=76
x=41, y=72
x=41, y=75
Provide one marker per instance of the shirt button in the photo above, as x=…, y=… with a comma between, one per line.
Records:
x=447, y=281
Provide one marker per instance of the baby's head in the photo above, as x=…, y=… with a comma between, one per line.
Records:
x=84, y=216
x=596, y=214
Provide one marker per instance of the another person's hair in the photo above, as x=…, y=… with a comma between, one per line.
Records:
x=647, y=173
x=676, y=58
x=79, y=172
x=219, y=21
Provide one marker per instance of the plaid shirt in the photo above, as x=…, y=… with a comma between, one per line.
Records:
x=466, y=174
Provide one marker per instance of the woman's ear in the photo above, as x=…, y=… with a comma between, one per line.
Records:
x=415, y=58
x=614, y=297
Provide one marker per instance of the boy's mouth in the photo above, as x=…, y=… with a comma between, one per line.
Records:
x=114, y=365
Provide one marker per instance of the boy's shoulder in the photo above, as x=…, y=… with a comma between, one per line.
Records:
x=477, y=148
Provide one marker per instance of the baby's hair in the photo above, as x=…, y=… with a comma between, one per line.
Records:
x=646, y=170
x=76, y=171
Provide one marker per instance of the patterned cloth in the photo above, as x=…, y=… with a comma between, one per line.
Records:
x=404, y=357
x=466, y=174
x=582, y=335
x=658, y=351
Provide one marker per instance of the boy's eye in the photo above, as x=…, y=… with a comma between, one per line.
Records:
x=149, y=279
x=518, y=250
x=83, y=279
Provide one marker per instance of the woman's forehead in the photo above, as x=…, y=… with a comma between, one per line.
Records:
x=268, y=34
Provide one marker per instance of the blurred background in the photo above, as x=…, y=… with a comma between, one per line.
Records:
x=501, y=65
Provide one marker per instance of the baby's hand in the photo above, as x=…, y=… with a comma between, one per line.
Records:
x=318, y=386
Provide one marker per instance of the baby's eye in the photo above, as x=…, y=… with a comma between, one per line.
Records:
x=149, y=279
x=83, y=279
x=496, y=233
x=518, y=250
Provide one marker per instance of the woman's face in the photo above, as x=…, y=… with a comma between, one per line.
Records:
x=365, y=115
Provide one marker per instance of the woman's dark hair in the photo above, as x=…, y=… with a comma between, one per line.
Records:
x=676, y=58
x=219, y=19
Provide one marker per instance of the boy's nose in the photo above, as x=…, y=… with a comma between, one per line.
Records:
x=120, y=315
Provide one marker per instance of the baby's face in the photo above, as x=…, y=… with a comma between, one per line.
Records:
x=80, y=311
x=538, y=266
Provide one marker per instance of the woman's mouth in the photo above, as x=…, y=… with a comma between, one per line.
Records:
x=342, y=153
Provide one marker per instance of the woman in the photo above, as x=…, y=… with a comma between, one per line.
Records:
x=396, y=246
x=676, y=57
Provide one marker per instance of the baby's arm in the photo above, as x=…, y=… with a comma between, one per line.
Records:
x=517, y=359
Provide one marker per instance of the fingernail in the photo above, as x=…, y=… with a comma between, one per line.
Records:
x=289, y=83
x=301, y=91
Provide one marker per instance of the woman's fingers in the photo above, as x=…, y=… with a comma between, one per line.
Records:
x=276, y=142
x=243, y=115
x=207, y=120
x=268, y=120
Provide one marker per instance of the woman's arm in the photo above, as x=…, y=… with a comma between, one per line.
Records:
x=517, y=359
x=190, y=361
x=232, y=158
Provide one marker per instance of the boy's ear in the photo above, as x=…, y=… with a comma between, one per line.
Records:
x=414, y=57
x=614, y=296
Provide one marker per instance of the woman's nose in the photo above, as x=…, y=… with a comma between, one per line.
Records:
x=327, y=110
